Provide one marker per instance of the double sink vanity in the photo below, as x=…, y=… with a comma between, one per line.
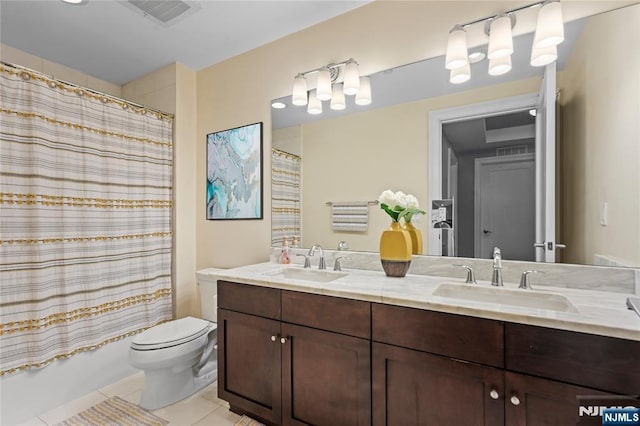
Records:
x=355, y=347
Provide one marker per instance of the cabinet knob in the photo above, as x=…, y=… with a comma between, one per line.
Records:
x=494, y=394
x=283, y=340
x=274, y=338
x=515, y=400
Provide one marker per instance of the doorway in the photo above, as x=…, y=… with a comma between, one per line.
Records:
x=497, y=132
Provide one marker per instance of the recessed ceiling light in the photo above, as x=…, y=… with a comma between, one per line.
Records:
x=73, y=1
x=476, y=57
x=278, y=105
x=533, y=112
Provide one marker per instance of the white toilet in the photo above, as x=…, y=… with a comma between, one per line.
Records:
x=179, y=357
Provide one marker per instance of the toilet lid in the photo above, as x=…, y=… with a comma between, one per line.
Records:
x=171, y=333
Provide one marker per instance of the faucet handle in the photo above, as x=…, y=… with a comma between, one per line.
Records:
x=337, y=265
x=524, y=279
x=471, y=277
x=307, y=262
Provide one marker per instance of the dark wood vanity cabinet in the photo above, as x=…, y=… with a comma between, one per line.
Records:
x=432, y=368
x=295, y=358
x=249, y=364
x=311, y=364
x=417, y=388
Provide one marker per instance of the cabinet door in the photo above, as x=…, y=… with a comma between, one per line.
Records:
x=249, y=364
x=326, y=378
x=417, y=388
x=532, y=401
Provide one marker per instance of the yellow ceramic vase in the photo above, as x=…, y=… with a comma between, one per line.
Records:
x=395, y=250
x=416, y=238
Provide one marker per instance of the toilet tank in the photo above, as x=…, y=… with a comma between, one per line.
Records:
x=207, y=285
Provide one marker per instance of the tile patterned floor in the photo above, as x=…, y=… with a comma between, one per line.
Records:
x=202, y=408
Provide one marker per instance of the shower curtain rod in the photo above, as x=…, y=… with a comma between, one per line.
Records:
x=95, y=92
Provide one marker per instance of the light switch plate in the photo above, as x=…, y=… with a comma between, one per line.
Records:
x=604, y=214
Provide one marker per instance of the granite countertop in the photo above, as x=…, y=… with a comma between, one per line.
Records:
x=596, y=312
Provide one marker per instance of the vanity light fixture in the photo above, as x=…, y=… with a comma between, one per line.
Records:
x=330, y=86
x=338, y=101
x=549, y=33
x=550, y=28
x=460, y=75
x=500, y=37
x=363, y=97
x=315, y=106
x=457, y=55
x=541, y=56
x=323, y=89
x=500, y=65
x=299, y=96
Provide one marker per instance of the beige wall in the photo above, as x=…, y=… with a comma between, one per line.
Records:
x=36, y=63
x=173, y=89
x=356, y=157
x=601, y=115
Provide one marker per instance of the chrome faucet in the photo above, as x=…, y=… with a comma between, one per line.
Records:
x=312, y=251
x=496, y=279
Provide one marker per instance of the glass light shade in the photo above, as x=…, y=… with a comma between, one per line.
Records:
x=500, y=39
x=543, y=56
x=364, y=94
x=351, y=78
x=456, y=49
x=323, y=88
x=337, y=98
x=460, y=75
x=500, y=66
x=315, y=105
x=550, y=27
x=299, y=96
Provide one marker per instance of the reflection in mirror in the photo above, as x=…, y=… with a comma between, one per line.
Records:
x=354, y=155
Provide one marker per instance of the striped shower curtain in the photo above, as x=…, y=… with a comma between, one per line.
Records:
x=285, y=197
x=85, y=219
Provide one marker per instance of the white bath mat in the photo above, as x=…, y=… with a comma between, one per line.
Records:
x=114, y=412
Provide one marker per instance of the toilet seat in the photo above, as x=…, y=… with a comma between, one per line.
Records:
x=172, y=333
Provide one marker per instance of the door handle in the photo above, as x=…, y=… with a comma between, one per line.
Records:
x=549, y=245
x=486, y=231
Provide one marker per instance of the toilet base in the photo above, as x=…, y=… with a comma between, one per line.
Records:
x=165, y=387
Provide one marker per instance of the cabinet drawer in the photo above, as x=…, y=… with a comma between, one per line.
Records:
x=599, y=362
x=346, y=316
x=250, y=299
x=467, y=338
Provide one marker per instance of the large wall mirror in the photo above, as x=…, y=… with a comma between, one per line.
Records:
x=351, y=156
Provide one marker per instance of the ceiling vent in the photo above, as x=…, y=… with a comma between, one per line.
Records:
x=165, y=12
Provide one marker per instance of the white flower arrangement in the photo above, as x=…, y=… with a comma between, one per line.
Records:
x=399, y=205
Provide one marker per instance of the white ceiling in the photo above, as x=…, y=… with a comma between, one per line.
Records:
x=115, y=42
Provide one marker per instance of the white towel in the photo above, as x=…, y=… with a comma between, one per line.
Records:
x=350, y=217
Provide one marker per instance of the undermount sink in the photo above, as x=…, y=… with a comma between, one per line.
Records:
x=316, y=275
x=505, y=296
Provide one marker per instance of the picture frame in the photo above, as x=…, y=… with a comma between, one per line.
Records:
x=234, y=189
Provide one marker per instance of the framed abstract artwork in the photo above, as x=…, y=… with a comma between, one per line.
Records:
x=234, y=173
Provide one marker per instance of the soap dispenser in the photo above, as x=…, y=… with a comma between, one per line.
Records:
x=284, y=255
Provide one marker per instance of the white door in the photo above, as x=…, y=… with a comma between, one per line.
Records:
x=505, y=206
x=545, y=237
